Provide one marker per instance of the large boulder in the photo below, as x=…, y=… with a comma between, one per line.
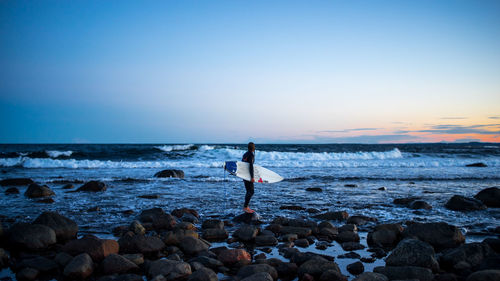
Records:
x=332, y=275
x=183, y=211
x=93, y=186
x=246, y=233
x=207, y=262
x=467, y=256
x=213, y=223
x=116, y=264
x=405, y=272
x=79, y=268
x=171, y=270
x=266, y=240
x=489, y=196
x=175, y=237
x=483, y=275
x=131, y=243
x=250, y=270
x=97, y=248
x=385, y=235
x=192, y=246
x=16, y=182
x=36, y=191
x=215, y=234
x=461, y=203
x=316, y=266
x=234, y=257
x=347, y=236
x=336, y=216
x=158, y=218
x=170, y=174
x=31, y=236
x=64, y=227
x=203, y=274
x=42, y=264
x=415, y=253
x=439, y=234
x=302, y=232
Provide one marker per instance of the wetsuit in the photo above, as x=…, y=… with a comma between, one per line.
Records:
x=249, y=158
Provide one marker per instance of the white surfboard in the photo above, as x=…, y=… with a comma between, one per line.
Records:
x=242, y=170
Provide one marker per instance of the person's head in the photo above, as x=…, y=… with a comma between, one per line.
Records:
x=251, y=146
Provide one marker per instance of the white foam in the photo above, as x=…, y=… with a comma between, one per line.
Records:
x=55, y=153
x=179, y=147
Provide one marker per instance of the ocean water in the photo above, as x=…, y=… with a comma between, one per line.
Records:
x=433, y=172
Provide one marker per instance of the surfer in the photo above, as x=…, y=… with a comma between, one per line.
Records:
x=249, y=157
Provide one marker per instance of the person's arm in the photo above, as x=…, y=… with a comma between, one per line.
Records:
x=251, y=160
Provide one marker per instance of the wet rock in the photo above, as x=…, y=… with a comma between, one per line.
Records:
x=301, y=243
x=419, y=204
x=405, y=201
x=350, y=185
x=316, y=266
x=494, y=243
x=62, y=259
x=207, y=262
x=470, y=255
x=479, y=164
x=182, y=211
x=189, y=218
x=383, y=188
x=27, y=274
x=94, y=209
x=149, y=196
x=385, y=235
x=12, y=190
x=261, y=276
x=215, y=234
x=292, y=207
x=133, y=243
x=213, y=223
x=137, y=228
x=347, y=236
x=170, y=174
x=250, y=270
x=352, y=246
x=350, y=255
x=46, y=201
x=171, y=270
x=371, y=276
x=80, y=267
x=461, y=203
x=41, y=264
x=64, y=227
x=332, y=275
x=203, y=274
x=116, y=264
x=490, y=197
x=360, y=220
x=68, y=186
x=287, y=270
x=490, y=275
x=356, y=268
x=122, y=277
x=137, y=259
x=247, y=218
x=337, y=216
x=312, y=210
x=314, y=189
x=36, y=191
x=175, y=237
x=31, y=236
x=348, y=228
x=93, y=186
x=16, y=182
x=97, y=248
x=266, y=240
x=4, y=258
x=439, y=234
x=405, y=272
x=415, y=253
x=301, y=232
x=232, y=257
x=192, y=246
x=246, y=233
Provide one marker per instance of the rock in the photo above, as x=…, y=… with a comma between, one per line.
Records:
x=27, y=274
x=371, y=276
x=312, y=210
x=412, y=252
x=479, y=164
x=93, y=186
x=41, y=264
x=246, y=233
x=215, y=234
x=356, y=268
x=170, y=174
x=175, y=237
x=383, y=188
x=203, y=274
x=189, y=218
x=62, y=259
x=36, y=191
x=122, y=277
x=137, y=259
x=494, y=243
x=250, y=270
x=158, y=218
x=46, y=201
x=490, y=197
x=213, y=223
x=405, y=272
x=316, y=266
x=419, y=204
x=116, y=264
x=149, y=196
x=150, y=215
x=79, y=268
x=385, y=235
x=347, y=236
x=350, y=255
x=31, y=236
x=473, y=254
x=247, y=218
x=337, y=216
x=302, y=243
x=192, y=246
x=16, y=182
x=314, y=189
x=134, y=243
x=490, y=275
x=461, y=203
x=440, y=235
x=405, y=201
x=260, y=276
x=266, y=240
x=332, y=275
x=172, y=270
x=12, y=190
x=137, y=228
x=360, y=220
x=292, y=207
x=207, y=262
x=97, y=248
x=65, y=228
x=68, y=186
x=287, y=270
x=301, y=232
x=352, y=246
x=231, y=257
x=4, y=258
x=350, y=185
x=182, y=211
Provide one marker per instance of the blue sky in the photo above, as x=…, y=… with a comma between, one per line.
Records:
x=233, y=71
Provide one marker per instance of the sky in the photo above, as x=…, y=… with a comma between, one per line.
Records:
x=233, y=71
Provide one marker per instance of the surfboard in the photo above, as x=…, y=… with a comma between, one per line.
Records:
x=242, y=170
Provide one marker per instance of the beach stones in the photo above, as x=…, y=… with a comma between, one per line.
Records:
x=192, y=246
x=467, y=256
x=337, y=216
x=246, y=233
x=250, y=270
x=31, y=236
x=175, y=237
x=371, y=276
x=171, y=270
x=203, y=274
x=97, y=248
x=36, y=191
x=16, y=182
x=490, y=197
x=231, y=257
x=316, y=266
x=440, y=234
x=79, y=268
x=93, y=186
x=415, y=253
x=215, y=234
x=356, y=268
x=159, y=219
x=12, y=190
x=493, y=275
x=385, y=235
x=170, y=173
x=461, y=203
x=405, y=272
x=131, y=243
x=419, y=204
x=117, y=264
x=65, y=228
x=478, y=164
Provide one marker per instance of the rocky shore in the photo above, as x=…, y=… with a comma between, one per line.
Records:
x=179, y=244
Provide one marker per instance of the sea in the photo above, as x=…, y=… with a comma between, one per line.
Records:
x=361, y=179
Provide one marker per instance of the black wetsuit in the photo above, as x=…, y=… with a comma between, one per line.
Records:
x=249, y=158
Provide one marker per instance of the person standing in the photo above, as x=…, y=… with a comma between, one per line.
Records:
x=249, y=157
